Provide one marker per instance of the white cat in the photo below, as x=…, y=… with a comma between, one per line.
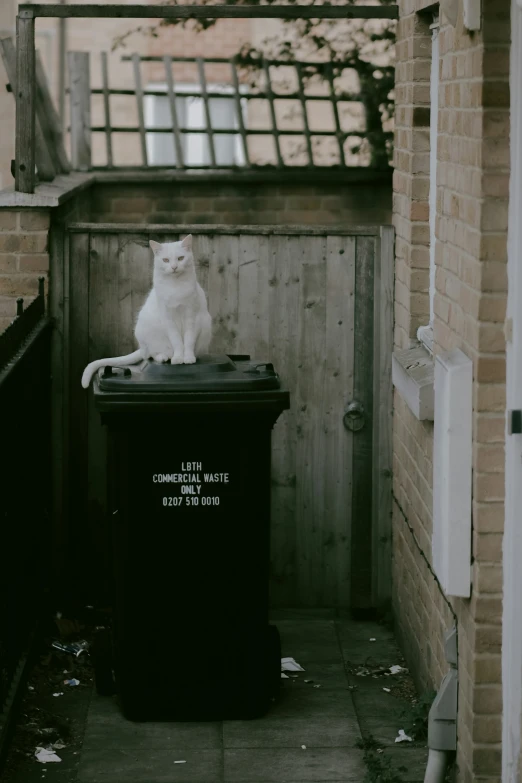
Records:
x=174, y=323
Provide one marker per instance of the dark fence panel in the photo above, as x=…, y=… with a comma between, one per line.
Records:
x=25, y=508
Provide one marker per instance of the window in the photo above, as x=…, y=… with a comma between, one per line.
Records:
x=425, y=333
x=191, y=114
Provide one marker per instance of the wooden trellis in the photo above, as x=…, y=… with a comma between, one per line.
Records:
x=26, y=91
x=81, y=95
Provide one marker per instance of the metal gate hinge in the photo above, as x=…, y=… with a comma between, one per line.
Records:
x=514, y=422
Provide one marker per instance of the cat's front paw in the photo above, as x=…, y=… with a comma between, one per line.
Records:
x=160, y=358
x=189, y=358
x=177, y=359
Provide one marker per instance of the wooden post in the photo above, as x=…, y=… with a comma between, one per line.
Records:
x=107, y=107
x=204, y=92
x=339, y=133
x=49, y=120
x=139, y=101
x=302, y=98
x=80, y=87
x=25, y=103
x=171, y=92
x=270, y=95
x=44, y=163
x=240, y=121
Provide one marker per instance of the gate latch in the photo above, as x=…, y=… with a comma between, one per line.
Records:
x=354, y=416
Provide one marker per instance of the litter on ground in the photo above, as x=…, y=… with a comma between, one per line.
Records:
x=58, y=694
x=44, y=755
x=403, y=737
x=74, y=681
x=388, y=690
x=181, y=761
x=397, y=669
x=290, y=665
x=303, y=747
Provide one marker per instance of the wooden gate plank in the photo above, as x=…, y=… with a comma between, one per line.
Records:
x=340, y=291
x=103, y=330
x=223, y=293
x=202, y=254
x=59, y=382
x=283, y=293
x=77, y=485
x=125, y=340
x=383, y=413
x=361, y=574
x=140, y=267
x=253, y=321
x=309, y=400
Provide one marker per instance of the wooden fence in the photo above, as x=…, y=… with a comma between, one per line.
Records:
x=26, y=91
x=25, y=500
x=315, y=302
x=248, y=80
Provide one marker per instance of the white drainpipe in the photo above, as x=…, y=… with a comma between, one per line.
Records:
x=442, y=721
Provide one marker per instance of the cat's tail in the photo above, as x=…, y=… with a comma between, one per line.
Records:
x=117, y=361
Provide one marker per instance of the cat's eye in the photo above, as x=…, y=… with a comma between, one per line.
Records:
x=181, y=258
x=166, y=260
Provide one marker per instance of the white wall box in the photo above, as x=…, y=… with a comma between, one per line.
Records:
x=452, y=465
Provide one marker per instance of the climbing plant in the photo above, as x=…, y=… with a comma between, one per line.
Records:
x=365, y=46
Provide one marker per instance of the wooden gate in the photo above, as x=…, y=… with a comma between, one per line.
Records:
x=315, y=302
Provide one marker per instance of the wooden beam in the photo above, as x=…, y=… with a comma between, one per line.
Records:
x=25, y=106
x=139, y=101
x=79, y=81
x=227, y=131
x=204, y=93
x=49, y=119
x=204, y=228
x=239, y=110
x=211, y=12
x=340, y=135
x=107, y=107
x=255, y=96
x=44, y=164
x=302, y=98
x=171, y=91
x=275, y=131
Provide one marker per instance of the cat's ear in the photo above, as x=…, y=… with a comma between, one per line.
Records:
x=154, y=246
x=187, y=242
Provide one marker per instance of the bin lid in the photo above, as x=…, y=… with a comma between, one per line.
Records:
x=209, y=374
x=214, y=383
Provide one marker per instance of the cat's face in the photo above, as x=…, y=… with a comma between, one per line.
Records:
x=173, y=258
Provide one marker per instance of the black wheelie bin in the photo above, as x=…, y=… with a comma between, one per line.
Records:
x=189, y=508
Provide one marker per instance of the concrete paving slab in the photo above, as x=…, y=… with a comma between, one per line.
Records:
x=308, y=641
x=120, y=765
x=270, y=732
x=276, y=765
x=313, y=703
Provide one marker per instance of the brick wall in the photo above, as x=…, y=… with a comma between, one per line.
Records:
x=24, y=257
x=471, y=284
x=240, y=203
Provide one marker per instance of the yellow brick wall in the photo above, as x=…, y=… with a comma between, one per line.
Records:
x=471, y=285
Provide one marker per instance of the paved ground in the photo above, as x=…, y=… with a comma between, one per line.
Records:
x=327, y=720
x=332, y=721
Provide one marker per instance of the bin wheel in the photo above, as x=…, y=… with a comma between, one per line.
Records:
x=102, y=659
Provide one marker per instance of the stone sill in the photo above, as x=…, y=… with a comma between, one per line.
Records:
x=413, y=372
x=48, y=194
x=64, y=187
